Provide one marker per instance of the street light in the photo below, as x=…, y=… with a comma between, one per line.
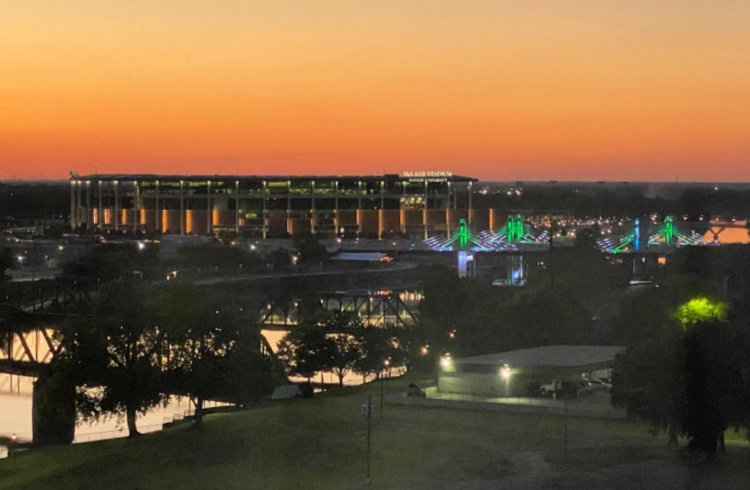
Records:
x=11, y=446
x=446, y=362
x=386, y=364
x=505, y=372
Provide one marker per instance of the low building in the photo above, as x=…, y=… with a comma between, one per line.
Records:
x=521, y=372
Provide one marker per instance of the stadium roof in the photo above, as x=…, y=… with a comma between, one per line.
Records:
x=173, y=177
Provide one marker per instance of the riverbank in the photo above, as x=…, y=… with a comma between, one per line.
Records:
x=321, y=443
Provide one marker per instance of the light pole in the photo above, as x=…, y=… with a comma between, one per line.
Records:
x=11, y=446
x=386, y=364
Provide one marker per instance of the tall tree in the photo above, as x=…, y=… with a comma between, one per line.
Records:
x=344, y=355
x=214, y=349
x=200, y=335
x=118, y=350
x=306, y=350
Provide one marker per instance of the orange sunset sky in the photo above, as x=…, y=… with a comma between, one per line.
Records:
x=503, y=90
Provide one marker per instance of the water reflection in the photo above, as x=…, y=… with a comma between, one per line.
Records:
x=16, y=404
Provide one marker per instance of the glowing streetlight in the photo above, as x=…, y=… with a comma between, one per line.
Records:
x=141, y=246
x=446, y=361
x=424, y=350
x=505, y=372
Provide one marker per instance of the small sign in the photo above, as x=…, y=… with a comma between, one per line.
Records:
x=430, y=175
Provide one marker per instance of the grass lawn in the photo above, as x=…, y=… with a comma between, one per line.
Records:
x=320, y=443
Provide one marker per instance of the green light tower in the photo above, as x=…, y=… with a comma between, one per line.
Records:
x=668, y=230
x=519, y=228
x=463, y=234
x=514, y=228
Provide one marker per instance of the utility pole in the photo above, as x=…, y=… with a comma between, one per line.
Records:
x=369, y=432
x=565, y=417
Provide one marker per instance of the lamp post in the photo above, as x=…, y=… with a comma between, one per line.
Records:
x=386, y=364
x=11, y=446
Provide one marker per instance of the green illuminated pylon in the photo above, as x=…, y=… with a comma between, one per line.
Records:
x=668, y=230
x=519, y=228
x=463, y=234
x=514, y=231
x=510, y=228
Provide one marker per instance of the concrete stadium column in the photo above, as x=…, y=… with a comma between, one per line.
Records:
x=100, y=206
x=264, y=211
x=116, y=210
x=312, y=206
x=157, y=213
x=73, y=207
x=79, y=200
x=336, y=218
x=88, y=205
x=289, y=223
x=359, y=207
x=382, y=208
x=237, y=206
x=136, y=206
x=209, y=228
x=182, y=208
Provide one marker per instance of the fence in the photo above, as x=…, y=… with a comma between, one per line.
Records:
x=595, y=405
x=143, y=429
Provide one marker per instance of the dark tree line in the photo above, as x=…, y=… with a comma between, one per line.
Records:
x=690, y=380
x=142, y=345
x=686, y=368
x=342, y=344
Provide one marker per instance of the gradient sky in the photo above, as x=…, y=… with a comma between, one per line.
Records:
x=506, y=90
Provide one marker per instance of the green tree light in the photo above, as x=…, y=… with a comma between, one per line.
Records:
x=699, y=310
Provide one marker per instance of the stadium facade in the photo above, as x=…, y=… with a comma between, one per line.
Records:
x=415, y=204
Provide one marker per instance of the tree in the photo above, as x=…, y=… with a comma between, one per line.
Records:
x=200, y=337
x=249, y=375
x=377, y=344
x=344, y=355
x=309, y=248
x=214, y=347
x=691, y=379
x=712, y=382
x=112, y=262
x=6, y=262
x=306, y=350
x=279, y=259
x=647, y=380
x=118, y=354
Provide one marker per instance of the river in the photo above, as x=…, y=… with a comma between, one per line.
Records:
x=15, y=415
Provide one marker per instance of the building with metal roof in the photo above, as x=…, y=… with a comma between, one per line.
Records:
x=518, y=372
